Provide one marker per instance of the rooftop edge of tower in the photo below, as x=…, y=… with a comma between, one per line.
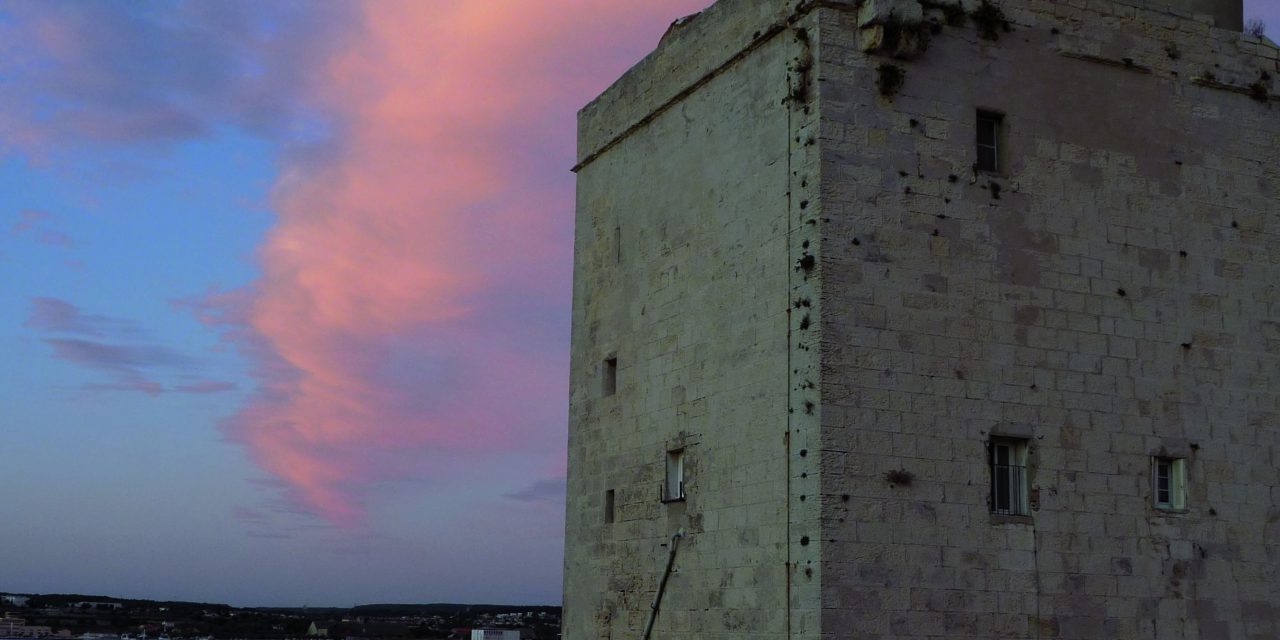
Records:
x=692, y=49
x=696, y=47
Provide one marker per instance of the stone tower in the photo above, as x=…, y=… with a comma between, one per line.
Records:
x=915, y=319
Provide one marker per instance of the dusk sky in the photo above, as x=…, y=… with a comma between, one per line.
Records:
x=284, y=293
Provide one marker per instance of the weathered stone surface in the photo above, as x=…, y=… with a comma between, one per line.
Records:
x=810, y=289
x=875, y=12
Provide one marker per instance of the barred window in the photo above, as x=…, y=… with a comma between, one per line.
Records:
x=990, y=135
x=674, y=489
x=1008, y=461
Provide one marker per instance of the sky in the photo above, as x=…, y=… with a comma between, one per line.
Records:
x=284, y=293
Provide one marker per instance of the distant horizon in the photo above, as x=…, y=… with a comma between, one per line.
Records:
x=132, y=598
x=108, y=597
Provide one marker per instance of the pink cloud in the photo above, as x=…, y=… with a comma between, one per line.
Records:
x=114, y=357
x=249, y=515
x=117, y=347
x=544, y=490
x=149, y=387
x=54, y=238
x=39, y=226
x=206, y=386
x=412, y=312
x=28, y=218
x=57, y=315
x=99, y=72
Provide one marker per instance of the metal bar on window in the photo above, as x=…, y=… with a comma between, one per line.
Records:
x=1008, y=489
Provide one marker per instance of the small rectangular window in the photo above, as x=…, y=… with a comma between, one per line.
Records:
x=1008, y=460
x=608, y=506
x=990, y=134
x=674, y=489
x=1169, y=480
x=609, y=376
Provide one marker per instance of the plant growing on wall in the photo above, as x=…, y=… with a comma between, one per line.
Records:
x=990, y=20
x=1256, y=28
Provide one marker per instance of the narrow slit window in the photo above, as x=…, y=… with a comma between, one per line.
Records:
x=609, y=376
x=1169, y=477
x=609, y=506
x=617, y=245
x=674, y=489
x=1008, y=460
x=990, y=135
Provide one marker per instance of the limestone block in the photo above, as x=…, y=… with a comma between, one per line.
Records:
x=894, y=39
x=883, y=11
x=871, y=38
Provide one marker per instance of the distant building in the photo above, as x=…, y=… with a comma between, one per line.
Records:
x=17, y=601
x=14, y=627
x=317, y=632
x=97, y=605
x=495, y=634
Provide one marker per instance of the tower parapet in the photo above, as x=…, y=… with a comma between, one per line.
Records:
x=1227, y=14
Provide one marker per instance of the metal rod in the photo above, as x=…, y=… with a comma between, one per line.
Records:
x=662, y=584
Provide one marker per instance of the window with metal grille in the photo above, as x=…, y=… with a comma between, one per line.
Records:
x=1008, y=461
x=1169, y=477
x=674, y=489
x=990, y=133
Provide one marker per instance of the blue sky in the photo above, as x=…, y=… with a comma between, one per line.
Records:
x=285, y=286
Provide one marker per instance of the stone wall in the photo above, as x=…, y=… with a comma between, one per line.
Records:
x=1227, y=14
x=1112, y=295
x=684, y=272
